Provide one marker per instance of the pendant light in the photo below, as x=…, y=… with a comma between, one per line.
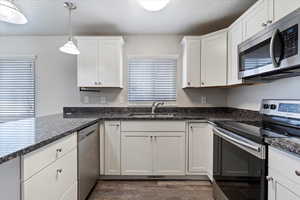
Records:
x=70, y=47
x=153, y=5
x=10, y=13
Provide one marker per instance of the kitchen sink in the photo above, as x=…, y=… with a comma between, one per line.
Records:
x=149, y=115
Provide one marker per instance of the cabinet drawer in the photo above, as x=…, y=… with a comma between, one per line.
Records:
x=144, y=126
x=53, y=181
x=284, y=163
x=39, y=159
x=71, y=194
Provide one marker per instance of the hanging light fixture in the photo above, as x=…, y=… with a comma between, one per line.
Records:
x=10, y=13
x=70, y=47
x=153, y=5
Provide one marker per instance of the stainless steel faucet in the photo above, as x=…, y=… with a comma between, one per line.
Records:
x=155, y=105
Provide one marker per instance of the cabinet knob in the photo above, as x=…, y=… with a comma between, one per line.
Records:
x=264, y=24
x=189, y=83
x=269, y=22
x=59, y=150
x=297, y=172
x=95, y=83
x=269, y=178
x=202, y=83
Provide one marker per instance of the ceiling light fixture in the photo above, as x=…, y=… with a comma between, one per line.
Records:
x=10, y=13
x=70, y=47
x=153, y=5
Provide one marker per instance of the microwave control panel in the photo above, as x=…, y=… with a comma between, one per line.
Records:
x=290, y=40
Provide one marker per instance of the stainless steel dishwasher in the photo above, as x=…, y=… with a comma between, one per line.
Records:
x=88, y=160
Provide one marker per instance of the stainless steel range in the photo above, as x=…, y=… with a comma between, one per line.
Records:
x=240, y=151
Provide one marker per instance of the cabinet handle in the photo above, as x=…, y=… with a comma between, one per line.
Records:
x=202, y=83
x=269, y=178
x=189, y=83
x=59, y=150
x=297, y=172
x=269, y=22
x=264, y=24
x=151, y=138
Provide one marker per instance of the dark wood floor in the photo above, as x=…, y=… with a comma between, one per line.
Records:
x=152, y=190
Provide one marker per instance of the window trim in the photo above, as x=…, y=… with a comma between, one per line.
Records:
x=147, y=103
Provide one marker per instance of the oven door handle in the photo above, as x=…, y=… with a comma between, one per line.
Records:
x=245, y=144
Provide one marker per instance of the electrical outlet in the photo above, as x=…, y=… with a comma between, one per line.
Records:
x=102, y=100
x=86, y=99
x=204, y=100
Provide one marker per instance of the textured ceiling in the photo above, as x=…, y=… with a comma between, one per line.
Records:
x=49, y=17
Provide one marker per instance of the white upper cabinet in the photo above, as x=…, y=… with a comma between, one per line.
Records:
x=100, y=63
x=281, y=8
x=214, y=59
x=235, y=37
x=257, y=18
x=191, y=62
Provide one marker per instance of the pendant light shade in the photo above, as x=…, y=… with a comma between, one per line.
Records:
x=153, y=5
x=70, y=47
x=10, y=13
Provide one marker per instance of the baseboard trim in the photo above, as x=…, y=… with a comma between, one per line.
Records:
x=160, y=178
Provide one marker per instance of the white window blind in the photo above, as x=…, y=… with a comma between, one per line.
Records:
x=17, y=88
x=152, y=79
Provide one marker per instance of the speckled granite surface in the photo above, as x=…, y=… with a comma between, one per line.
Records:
x=290, y=145
x=24, y=136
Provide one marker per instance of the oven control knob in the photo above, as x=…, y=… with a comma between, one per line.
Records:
x=273, y=107
x=266, y=106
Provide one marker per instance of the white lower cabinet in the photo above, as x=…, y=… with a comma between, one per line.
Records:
x=136, y=154
x=54, y=181
x=112, y=148
x=72, y=192
x=153, y=153
x=200, y=149
x=283, y=179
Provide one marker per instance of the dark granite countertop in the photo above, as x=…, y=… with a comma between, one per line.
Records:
x=23, y=136
x=289, y=145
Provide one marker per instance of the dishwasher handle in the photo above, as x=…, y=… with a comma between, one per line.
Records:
x=87, y=131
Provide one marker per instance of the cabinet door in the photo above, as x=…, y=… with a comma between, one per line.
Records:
x=255, y=17
x=169, y=153
x=235, y=37
x=282, y=8
x=277, y=191
x=112, y=148
x=198, y=148
x=110, y=62
x=87, y=73
x=137, y=154
x=191, y=63
x=214, y=60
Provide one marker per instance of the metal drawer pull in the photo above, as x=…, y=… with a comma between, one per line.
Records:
x=59, y=150
x=297, y=172
x=59, y=171
x=255, y=148
x=269, y=178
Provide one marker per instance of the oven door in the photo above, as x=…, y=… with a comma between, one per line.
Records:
x=239, y=167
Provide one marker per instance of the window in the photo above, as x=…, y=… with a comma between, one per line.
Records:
x=152, y=80
x=17, y=88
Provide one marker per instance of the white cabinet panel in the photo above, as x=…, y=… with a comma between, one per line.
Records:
x=191, y=62
x=87, y=67
x=112, y=148
x=100, y=63
x=214, y=59
x=158, y=126
x=235, y=37
x=10, y=180
x=255, y=17
x=71, y=193
x=137, y=154
x=111, y=62
x=52, y=182
x=169, y=154
x=200, y=149
x=283, y=7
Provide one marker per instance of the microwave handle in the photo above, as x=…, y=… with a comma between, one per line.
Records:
x=272, y=48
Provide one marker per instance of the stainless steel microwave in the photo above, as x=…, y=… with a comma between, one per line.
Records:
x=273, y=53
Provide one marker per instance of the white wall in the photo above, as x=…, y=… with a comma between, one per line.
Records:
x=56, y=72
x=249, y=97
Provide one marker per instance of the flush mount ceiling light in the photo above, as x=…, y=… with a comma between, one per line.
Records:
x=153, y=5
x=10, y=13
x=70, y=47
